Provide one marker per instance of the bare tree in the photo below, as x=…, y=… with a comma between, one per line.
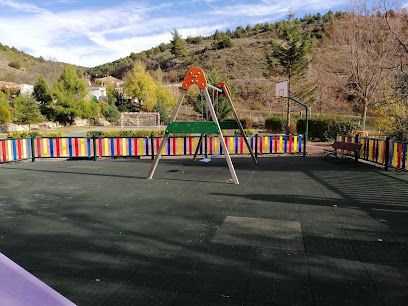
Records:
x=365, y=52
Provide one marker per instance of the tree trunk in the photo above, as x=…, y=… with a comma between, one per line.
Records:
x=364, y=114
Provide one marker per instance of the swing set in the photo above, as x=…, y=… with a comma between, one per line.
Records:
x=195, y=76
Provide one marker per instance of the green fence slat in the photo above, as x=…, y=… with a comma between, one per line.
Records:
x=178, y=127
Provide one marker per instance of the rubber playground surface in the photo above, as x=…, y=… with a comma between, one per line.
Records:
x=296, y=231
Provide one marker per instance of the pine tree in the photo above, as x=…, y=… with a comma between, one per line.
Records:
x=290, y=53
x=26, y=110
x=42, y=94
x=70, y=95
x=221, y=106
x=178, y=44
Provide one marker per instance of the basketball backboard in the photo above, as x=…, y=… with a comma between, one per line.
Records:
x=282, y=89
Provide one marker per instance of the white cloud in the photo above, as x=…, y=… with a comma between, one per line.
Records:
x=93, y=36
x=270, y=7
x=21, y=6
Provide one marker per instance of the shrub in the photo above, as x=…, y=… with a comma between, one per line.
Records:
x=136, y=133
x=94, y=133
x=326, y=128
x=5, y=116
x=55, y=134
x=24, y=134
x=246, y=123
x=224, y=42
x=276, y=124
x=161, y=108
x=247, y=132
x=15, y=64
x=111, y=113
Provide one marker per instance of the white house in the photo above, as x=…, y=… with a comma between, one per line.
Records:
x=98, y=92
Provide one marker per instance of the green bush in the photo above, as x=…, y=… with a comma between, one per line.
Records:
x=223, y=42
x=5, y=116
x=24, y=134
x=326, y=128
x=55, y=134
x=275, y=124
x=15, y=65
x=111, y=113
x=247, y=132
x=161, y=108
x=94, y=133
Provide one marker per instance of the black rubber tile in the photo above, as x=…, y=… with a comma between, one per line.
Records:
x=281, y=261
x=330, y=246
x=279, y=288
x=217, y=280
x=141, y=295
x=381, y=251
x=230, y=255
x=198, y=299
x=64, y=261
x=80, y=291
x=162, y=273
x=338, y=281
x=391, y=281
x=111, y=267
x=28, y=256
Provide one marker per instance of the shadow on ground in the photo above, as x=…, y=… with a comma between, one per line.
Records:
x=304, y=231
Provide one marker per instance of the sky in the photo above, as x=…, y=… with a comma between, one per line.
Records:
x=94, y=32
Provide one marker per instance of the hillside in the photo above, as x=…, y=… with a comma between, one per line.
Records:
x=356, y=66
x=26, y=68
x=245, y=63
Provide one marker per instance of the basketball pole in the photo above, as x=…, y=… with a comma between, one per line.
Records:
x=307, y=123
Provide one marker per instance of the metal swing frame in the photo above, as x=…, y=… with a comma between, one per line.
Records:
x=195, y=76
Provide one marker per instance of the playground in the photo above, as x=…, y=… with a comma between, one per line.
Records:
x=296, y=230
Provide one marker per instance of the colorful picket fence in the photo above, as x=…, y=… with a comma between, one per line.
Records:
x=279, y=144
x=63, y=147
x=177, y=146
x=15, y=149
x=123, y=146
x=375, y=150
x=77, y=147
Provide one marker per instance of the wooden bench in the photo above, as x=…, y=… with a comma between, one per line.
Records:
x=344, y=148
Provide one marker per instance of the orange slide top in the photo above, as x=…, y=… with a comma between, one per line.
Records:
x=195, y=76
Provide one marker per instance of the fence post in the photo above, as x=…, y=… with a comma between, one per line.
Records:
x=356, y=154
x=152, y=144
x=32, y=149
x=205, y=145
x=94, y=147
x=256, y=145
x=387, y=153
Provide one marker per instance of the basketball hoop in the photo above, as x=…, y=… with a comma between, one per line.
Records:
x=281, y=89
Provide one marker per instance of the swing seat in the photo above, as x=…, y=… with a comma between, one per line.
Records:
x=215, y=155
x=179, y=127
x=229, y=125
x=205, y=160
